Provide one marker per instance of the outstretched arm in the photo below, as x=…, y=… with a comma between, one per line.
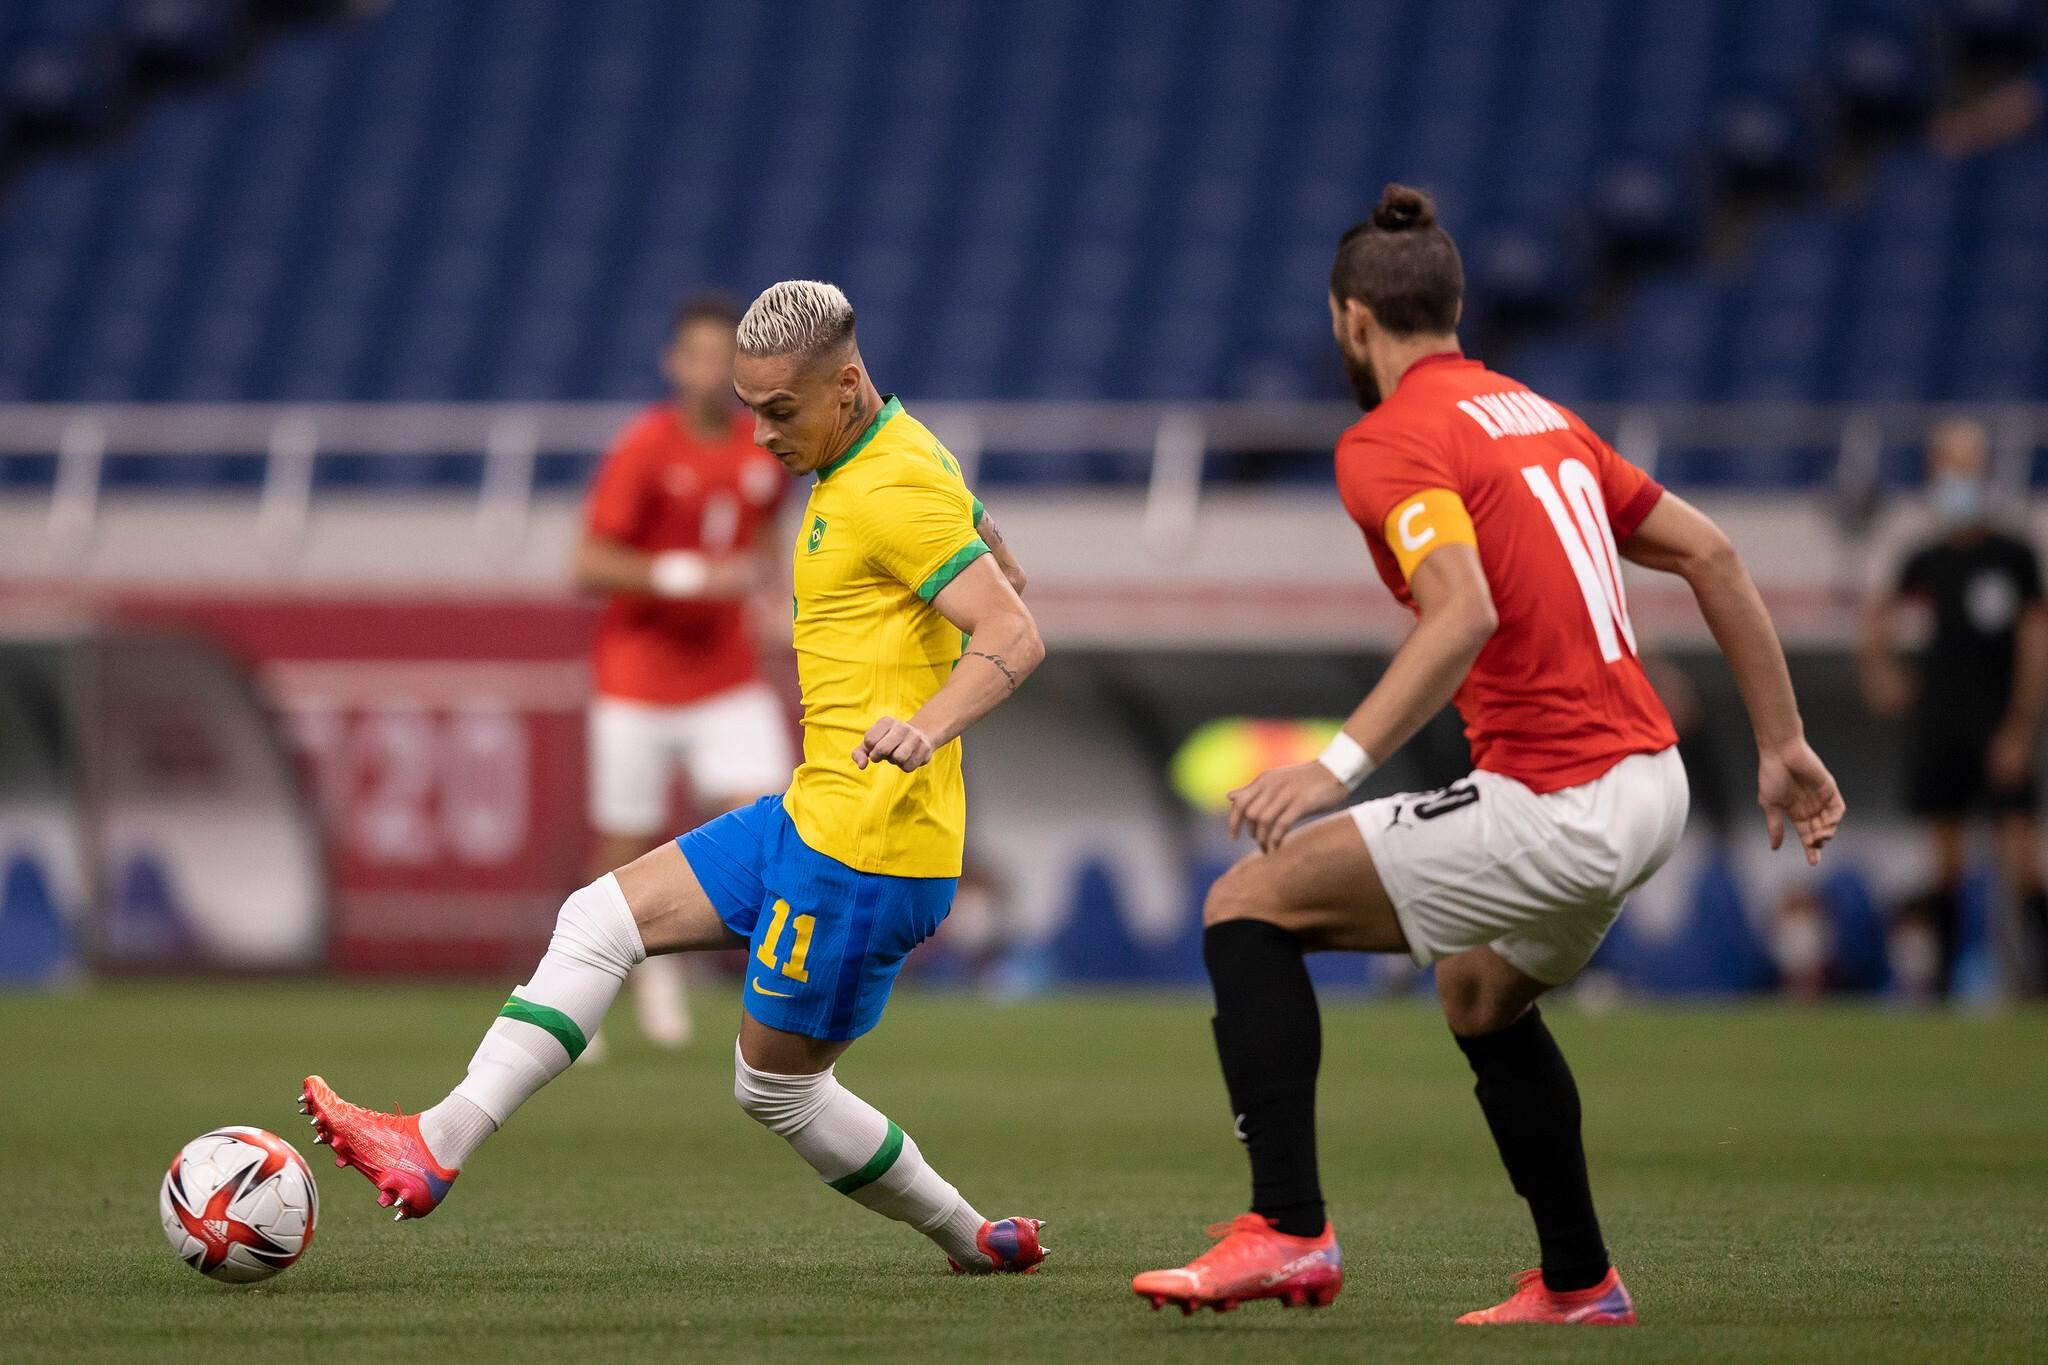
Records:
x=606, y=565
x=1002, y=649
x=1458, y=619
x=1792, y=782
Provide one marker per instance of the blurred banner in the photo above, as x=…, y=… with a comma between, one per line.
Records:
x=150, y=816
x=443, y=745
x=430, y=674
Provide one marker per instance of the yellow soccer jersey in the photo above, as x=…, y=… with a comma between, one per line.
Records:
x=888, y=525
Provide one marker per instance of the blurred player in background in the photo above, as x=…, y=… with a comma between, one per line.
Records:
x=1975, y=699
x=1495, y=516
x=908, y=629
x=678, y=533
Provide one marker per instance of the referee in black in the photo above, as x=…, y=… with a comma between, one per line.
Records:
x=1974, y=698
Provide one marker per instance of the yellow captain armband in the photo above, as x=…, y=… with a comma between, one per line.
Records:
x=1420, y=525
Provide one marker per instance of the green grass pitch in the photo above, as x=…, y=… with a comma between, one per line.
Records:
x=1777, y=1185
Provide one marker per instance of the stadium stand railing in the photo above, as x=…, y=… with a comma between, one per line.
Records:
x=509, y=453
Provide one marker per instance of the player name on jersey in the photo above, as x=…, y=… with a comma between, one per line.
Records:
x=1513, y=413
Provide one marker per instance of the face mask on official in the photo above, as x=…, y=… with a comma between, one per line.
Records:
x=1957, y=499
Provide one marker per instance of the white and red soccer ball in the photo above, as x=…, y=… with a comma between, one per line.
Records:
x=239, y=1204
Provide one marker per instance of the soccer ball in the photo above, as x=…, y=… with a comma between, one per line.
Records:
x=239, y=1204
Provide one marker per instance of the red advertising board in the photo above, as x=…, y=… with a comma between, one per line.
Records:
x=443, y=743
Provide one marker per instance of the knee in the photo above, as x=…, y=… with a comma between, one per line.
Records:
x=596, y=927
x=1237, y=894
x=1471, y=1007
x=781, y=1104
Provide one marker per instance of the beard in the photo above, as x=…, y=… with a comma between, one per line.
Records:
x=1364, y=387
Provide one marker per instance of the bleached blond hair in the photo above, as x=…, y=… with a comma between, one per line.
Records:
x=796, y=317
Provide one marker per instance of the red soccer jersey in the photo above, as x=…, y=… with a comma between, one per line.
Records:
x=661, y=487
x=1557, y=696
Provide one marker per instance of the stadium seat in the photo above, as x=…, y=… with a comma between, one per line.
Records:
x=1883, y=74
x=189, y=37
x=1058, y=200
x=2004, y=34
x=66, y=85
x=1768, y=139
x=1525, y=274
x=1645, y=204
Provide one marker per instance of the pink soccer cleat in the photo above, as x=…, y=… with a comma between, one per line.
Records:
x=1011, y=1245
x=1605, y=1304
x=386, y=1148
x=1254, y=1260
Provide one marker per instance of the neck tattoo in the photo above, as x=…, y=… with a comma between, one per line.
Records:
x=849, y=431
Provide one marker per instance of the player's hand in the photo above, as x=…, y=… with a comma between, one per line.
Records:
x=2010, y=759
x=1793, y=784
x=1270, y=804
x=890, y=740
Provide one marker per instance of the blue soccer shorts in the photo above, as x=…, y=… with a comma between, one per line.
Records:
x=824, y=942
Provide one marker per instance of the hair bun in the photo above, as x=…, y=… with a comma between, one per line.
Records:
x=1403, y=208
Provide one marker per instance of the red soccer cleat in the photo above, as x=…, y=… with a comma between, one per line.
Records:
x=1255, y=1260
x=1605, y=1304
x=387, y=1148
x=1011, y=1245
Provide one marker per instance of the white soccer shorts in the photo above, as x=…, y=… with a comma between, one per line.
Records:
x=731, y=745
x=1540, y=878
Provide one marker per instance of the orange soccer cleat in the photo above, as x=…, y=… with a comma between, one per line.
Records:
x=386, y=1148
x=1605, y=1304
x=1254, y=1260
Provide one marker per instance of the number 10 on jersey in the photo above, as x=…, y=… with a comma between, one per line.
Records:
x=1588, y=542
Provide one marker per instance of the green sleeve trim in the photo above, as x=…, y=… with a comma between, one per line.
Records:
x=936, y=582
x=548, y=1020
x=978, y=511
x=878, y=1164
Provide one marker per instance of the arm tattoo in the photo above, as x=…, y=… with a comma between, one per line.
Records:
x=1001, y=667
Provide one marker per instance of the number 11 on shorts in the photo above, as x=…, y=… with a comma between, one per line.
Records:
x=805, y=924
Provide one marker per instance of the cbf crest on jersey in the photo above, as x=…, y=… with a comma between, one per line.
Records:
x=817, y=535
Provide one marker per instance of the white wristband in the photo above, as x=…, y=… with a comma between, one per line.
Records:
x=1347, y=761
x=679, y=573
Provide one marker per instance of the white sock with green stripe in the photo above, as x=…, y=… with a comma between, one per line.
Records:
x=861, y=1154
x=546, y=1023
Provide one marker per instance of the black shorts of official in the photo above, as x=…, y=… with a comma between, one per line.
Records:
x=1945, y=777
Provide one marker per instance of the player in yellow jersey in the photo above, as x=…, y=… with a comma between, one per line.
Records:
x=908, y=629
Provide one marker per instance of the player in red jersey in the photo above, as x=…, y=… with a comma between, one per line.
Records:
x=677, y=534
x=1501, y=520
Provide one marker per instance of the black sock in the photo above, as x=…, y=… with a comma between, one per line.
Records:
x=1532, y=1106
x=1945, y=914
x=2033, y=936
x=1269, y=1036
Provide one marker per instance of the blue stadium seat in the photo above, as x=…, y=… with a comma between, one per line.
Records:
x=1058, y=200
x=189, y=36
x=1667, y=347
x=1568, y=370
x=2005, y=33
x=1883, y=71
x=1644, y=201
x=1769, y=138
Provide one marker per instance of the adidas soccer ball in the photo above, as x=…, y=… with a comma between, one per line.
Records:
x=239, y=1204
